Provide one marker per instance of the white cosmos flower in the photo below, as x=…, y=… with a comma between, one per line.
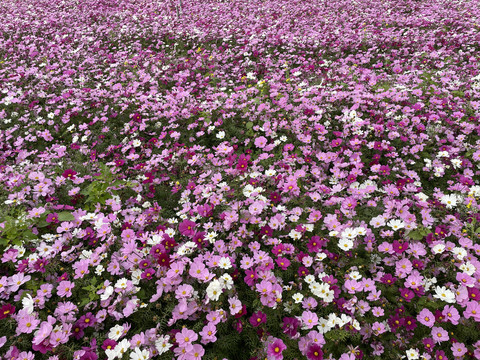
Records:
x=107, y=293
x=121, y=283
x=220, y=135
x=349, y=233
x=345, y=244
x=122, y=347
x=460, y=252
x=396, y=224
x=361, y=231
x=442, y=293
x=468, y=268
x=225, y=263
x=412, y=354
x=323, y=326
x=226, y=281
x=329, y=295
x=163, y=344
x=295, y=234
x=297, y=297
x=115, y=332
x=214, y=290
x=211, y=236
x=27, y=303
x=450, y=201
x=138, y=354
x=438, y=249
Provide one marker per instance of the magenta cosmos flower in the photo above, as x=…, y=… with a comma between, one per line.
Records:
x=314, y=352
x=69, y=174
x=187, y=228
x=258, y=318
x=275, y=349
x=6, y=311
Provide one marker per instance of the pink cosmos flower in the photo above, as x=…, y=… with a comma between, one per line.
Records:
x=458, y=349
x=185, y=339
x=378, y=328
x=275, y=349
x=195, y=353
x=426, y=318
x=352, y=286
x=439, y=334
x=472, y=310
x=260, y=142
x=451, y=314
x=26, y=324
x=256, y=208
x=283, y=263
x=403, y=268
x=184, y=291
x=42, y=333
x=64, y=289
x=235, y=305
x=208, y=333
x=24, y=355
x=316, y=337
x=81, y=268
x=264, y=287
x=465, y=279
x=309, y=319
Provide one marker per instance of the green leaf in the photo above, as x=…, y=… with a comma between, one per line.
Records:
x=42, y=224
x=65, y=216
x=415, y=235
x=84, y=302
x=249, y=125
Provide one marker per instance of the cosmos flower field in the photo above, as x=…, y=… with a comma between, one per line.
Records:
x=240, y=180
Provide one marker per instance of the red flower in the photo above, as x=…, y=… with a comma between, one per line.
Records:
x=6, y=311
x=314, y=352
x=69, y=174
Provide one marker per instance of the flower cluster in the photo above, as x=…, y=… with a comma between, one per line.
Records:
x=259, y=179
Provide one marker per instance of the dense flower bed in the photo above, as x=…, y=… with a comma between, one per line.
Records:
x=250, y=179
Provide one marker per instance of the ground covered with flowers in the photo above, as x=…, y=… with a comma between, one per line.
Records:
x=272, y=179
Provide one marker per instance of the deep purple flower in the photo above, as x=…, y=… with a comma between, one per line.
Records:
x=148, y=274
x=388, y=279
x=314, y=352
x=303, y=271
x=87, y=320
x=52, y=218
x=290, y=326
x=275, y=197
x=77, y=330
x=429, y=344
x=109, y=344
x=407, y=294
x=6, y=311
x=258, y=318
x=395, y=322
x=69, y=174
